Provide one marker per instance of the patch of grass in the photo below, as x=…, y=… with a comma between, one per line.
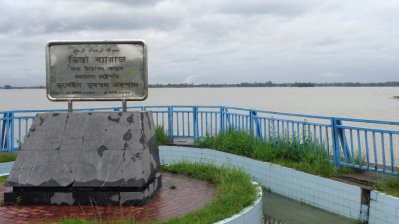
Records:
x=162, y=136
x=3, y=179
x=8, y=157
x=390, y=186
x=234, y=192
x=307, y=156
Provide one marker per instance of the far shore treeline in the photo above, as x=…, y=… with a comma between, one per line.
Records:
x=248, y=84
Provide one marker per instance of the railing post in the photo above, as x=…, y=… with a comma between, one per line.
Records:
x=195, y=123
x=342, y=139
x=255, y=123
x=251, y=122
x=335, y=142
x=12, y=132
x=170, y=123
x=226, y=119
x=222, y=109
x=4, y=133
x=7, y=132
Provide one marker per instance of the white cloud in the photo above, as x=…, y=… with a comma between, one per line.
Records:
x=219, y=41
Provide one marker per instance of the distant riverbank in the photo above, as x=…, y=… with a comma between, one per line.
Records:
x=249, y=84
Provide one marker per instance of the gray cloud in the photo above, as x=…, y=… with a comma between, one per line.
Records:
x=215, y=41
x=272, y=7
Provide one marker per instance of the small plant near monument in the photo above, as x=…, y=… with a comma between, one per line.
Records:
x=8, y=156
x=173, y=187
x=161, y=135
x=3, y=179
x=18, y=201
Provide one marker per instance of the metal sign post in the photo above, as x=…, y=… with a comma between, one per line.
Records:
x=70, y=106
x=124, y=106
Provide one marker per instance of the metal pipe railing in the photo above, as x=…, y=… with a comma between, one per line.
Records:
x=358, y=143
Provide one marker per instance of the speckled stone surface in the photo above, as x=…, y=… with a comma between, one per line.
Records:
x=103, y=152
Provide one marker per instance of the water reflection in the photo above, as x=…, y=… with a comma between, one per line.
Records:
x=281, y=210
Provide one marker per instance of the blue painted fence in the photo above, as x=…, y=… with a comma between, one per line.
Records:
x=371, y=145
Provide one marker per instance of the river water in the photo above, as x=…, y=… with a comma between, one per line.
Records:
x=359, y=102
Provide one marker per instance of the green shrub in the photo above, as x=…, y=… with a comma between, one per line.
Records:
x=3, y=179
x=231, y=141
x=390, y=186
x=307, y=155
x=162, y=136
x=8, y=156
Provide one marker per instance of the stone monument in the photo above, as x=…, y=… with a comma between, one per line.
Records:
x=90, y=158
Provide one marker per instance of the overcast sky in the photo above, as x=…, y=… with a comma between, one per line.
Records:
x=215, y=41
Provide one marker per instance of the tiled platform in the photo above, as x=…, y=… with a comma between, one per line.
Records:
x=189, y=195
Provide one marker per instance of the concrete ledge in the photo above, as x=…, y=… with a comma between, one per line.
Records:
x=5, y=168
x=383, y=208
x=251, y=214
x=333, y=196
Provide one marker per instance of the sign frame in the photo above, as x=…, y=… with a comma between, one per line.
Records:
x=97, y=42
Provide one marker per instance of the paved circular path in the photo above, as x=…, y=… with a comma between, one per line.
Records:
x=189, y=195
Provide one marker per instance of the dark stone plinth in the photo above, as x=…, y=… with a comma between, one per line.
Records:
x=83, y=195
x=87, y=158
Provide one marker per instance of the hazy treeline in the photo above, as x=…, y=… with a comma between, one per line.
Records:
x=271, y=84
x=250, y=84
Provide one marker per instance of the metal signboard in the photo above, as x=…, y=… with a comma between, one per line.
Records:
x=96, y=70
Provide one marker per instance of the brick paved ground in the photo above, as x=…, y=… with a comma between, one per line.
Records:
x=190, y=194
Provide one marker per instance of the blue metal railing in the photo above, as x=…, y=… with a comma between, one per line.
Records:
x=371, y=145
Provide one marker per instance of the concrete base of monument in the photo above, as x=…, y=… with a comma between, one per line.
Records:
x=83, y=195
x=178, y=196
x=102, y=158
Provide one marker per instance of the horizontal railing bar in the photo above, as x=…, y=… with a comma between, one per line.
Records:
x=379, y=170
x=293, y=121
x=24, y=117
x=368, y=121
x=368, y=129
x=209, y=112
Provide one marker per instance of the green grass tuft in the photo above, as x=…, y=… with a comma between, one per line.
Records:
x=309, y=157
x=390, y=186
x=8, y=157
x=3, y=179
x=233, y=193
x=162, y=136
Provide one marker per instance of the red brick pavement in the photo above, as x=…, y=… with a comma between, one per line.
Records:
x=190, y=194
